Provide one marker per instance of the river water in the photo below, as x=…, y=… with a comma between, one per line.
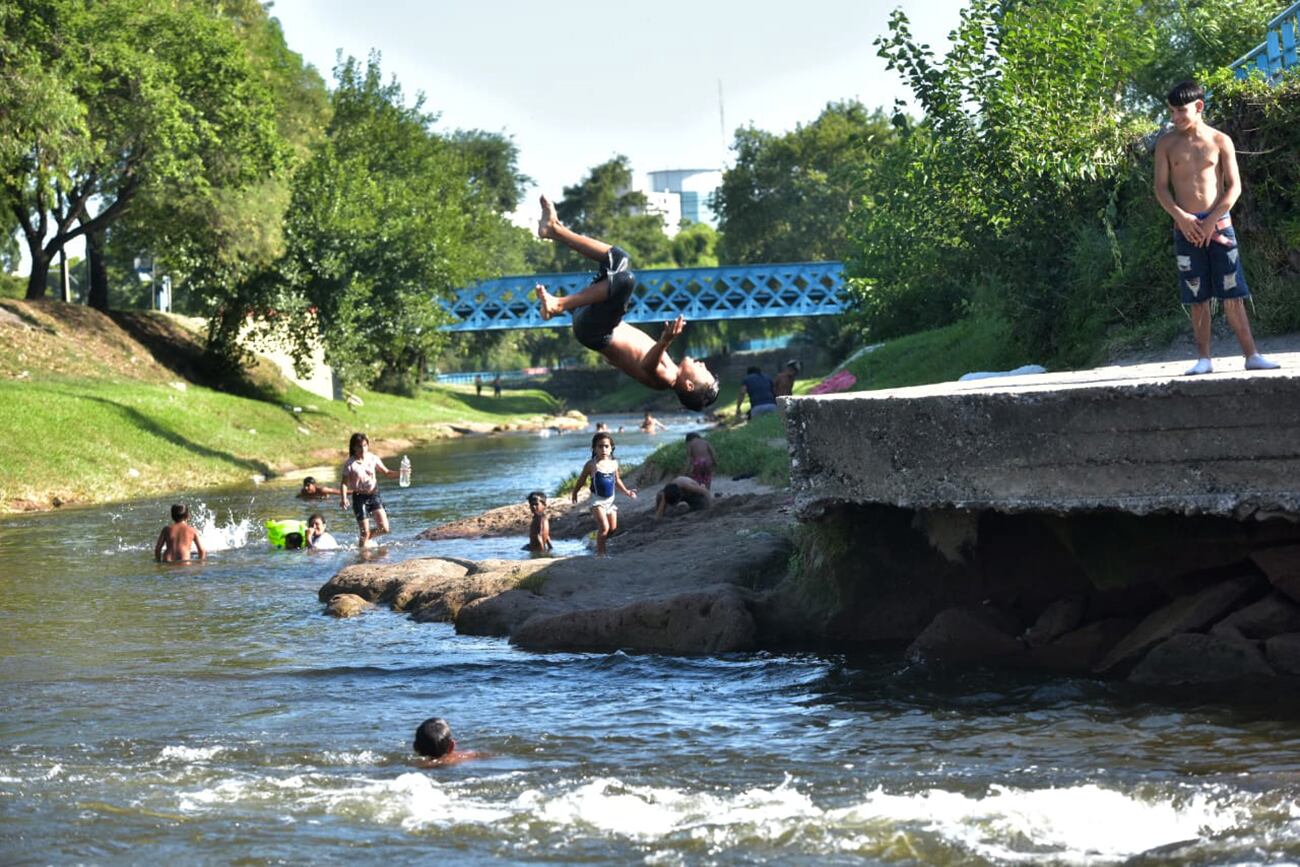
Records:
x=210, y=714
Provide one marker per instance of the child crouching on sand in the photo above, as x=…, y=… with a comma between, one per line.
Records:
x=602, y=469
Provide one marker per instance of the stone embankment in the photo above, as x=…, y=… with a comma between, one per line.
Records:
x=1121, y=522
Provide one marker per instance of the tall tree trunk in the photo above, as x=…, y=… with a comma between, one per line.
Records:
x=40, y=273
x=97, y=294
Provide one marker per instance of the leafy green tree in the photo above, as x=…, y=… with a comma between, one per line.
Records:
x=385, y=221
x=143, y=96
x=788, y=197
x=696, y=246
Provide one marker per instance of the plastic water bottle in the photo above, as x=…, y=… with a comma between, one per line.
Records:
x=404, y=474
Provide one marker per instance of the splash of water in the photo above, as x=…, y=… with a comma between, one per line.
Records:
x=216, y=536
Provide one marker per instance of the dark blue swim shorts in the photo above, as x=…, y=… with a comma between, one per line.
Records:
x=594, y=325
x=1213, y=271
x=364, y=504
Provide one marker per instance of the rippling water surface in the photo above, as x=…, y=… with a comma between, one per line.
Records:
x=210, y=713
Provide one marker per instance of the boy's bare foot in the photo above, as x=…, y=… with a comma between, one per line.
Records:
x=546, y=225
x=549, y=304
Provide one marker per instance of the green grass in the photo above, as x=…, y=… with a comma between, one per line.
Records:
x=941, y=355
x=81, y=439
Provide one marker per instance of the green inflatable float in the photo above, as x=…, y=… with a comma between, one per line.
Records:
x=278, y=533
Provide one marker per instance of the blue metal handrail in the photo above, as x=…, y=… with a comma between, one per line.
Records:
x=700, y=294
x=1277, y=52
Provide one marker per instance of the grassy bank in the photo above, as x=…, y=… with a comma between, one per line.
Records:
x=92, y=416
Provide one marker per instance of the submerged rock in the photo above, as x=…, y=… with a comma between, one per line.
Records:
x=1192, y=658
x=346, y=605
x=966, y=635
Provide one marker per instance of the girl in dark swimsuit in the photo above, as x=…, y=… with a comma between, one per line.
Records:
x=602, y=469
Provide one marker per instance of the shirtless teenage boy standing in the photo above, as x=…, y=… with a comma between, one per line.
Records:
x=1201, y=165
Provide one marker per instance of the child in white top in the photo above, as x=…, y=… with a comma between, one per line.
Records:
x=360, y=475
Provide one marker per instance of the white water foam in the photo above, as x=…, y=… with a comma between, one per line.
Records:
x=1084, y=824
x=221, y=537
x=188, y=755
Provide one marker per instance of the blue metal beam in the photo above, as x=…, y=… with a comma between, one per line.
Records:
x=1277, y=52
x=700, y=294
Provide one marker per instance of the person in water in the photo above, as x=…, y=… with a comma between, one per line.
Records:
x=1200, y=164
x=360, y=476
x=652, y=425
x=433, y=740
x=602, y=469
x=700, y=460
x=176, y=539
x=313, y=491
x=598, y=320
x=539, y=531
x=318, y=538
x=682, y=489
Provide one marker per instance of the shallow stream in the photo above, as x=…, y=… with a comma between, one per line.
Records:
x=209, y=713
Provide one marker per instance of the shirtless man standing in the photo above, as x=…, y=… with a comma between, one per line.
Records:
x=1201, y=164
x=598, y=320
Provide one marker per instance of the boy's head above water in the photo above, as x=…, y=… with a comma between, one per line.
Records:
x=433, y=738
x=180, y=512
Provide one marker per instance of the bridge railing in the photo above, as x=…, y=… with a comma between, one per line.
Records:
x=1277, y=52
x=700, y=294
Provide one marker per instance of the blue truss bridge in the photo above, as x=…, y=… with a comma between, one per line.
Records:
x=699, y=294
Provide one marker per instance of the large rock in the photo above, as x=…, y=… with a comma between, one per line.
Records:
x=1192, y=658
x=1283, y=653
x=966, y=635
x=1282, y=566
x=1273, y=615
x=380, y=582
x=1076, y=652
x=1186, y=613
x=711, y=621
x=499, y=615
x=1057, y=619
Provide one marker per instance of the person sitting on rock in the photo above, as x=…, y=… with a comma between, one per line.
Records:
x=598, y=320
x=539, y=532
x=682, y=490
x=433, y=740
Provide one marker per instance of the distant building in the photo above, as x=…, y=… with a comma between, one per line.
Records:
x=680, y=195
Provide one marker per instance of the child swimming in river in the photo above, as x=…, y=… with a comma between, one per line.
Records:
x=318, y=538
x=602, y=469
x=539, y=532
x=433, y=740
x=176, y=539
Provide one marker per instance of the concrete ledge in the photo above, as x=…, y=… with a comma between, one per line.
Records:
x=1141, y=439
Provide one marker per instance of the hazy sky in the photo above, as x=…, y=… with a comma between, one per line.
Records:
x=575, y=83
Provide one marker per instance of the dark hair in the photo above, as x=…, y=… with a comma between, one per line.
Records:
x=753, y=369
x=314, y=517
x=433, y=738
x=603, y=436
x=310, y=480
x=693, y=435
x=293, y=541
x=1184, y=92
x=537, y=497
x=699, y=398
x=355, y=443
x=180, y=512
x=672, y=494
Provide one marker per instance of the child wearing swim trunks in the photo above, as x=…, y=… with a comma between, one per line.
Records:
x=1200, y=164
x=602, y=469
x=700, y=460
x=598, y=320
x=360, y=476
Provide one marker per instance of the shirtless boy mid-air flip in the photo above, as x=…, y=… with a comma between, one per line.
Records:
x=598, y=320
x=1201, y=164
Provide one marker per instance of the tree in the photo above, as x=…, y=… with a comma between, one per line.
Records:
x=788, y=197
x=144, y=97
x=385, y=221
x=603, y=205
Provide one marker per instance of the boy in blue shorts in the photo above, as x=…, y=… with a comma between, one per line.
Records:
x=1200, y=164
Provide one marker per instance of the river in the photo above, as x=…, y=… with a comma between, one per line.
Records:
x=210, y=714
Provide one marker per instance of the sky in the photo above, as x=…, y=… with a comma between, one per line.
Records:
x=576, y=83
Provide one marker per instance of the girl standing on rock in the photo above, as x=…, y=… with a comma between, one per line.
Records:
x=602, y=469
